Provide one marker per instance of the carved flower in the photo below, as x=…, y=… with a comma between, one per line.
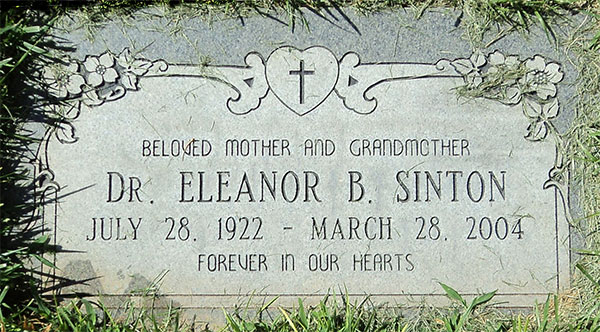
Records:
x=65, y=81
x=498, y=60
x=502, y=66
x=100, y=69
x=542, y=77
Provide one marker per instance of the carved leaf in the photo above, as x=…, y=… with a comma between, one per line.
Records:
x=140, y=66
x=45, y=182
x=130, y=81
x=124, y=57
x=551, y=109
x=69, y=110
x=113, y=93
x=538, y=130
x=91, y=98
x=531, y=108
x=475, y=79
x=556, y=176
x=133, y=66
x=462, y=66
x=65, y=133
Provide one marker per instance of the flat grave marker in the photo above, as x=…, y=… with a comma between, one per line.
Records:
x=324, y=162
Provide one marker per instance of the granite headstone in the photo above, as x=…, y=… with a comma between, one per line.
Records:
x=368, y=155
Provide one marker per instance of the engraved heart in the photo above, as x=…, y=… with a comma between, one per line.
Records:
x=302, y=79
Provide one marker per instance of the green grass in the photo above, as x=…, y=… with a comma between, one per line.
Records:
x=585, y=150
x=20, y=37
x=23, y=46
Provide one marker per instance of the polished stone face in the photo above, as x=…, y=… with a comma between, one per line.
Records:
x=300, y=169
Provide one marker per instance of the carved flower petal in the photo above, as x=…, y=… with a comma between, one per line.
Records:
x=478, y=59
x=73, y=67
x=107, y=60
x=512, y=60
x=57, y=90
x=530, y=77
x=95, y=79
x=49, y=75
x=513, y=95
x=554, y=73
x=110, y=75
x=75, y=83
x=91, y=63
x=496, y=58
x=545, y=90
x=537, y=63
x=63, y=93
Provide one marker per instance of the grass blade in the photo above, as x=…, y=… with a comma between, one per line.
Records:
x=453, y=294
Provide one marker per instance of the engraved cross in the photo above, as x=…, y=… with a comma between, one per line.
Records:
x=302, y=73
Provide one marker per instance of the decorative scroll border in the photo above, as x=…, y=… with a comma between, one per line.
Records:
x=80, y=86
